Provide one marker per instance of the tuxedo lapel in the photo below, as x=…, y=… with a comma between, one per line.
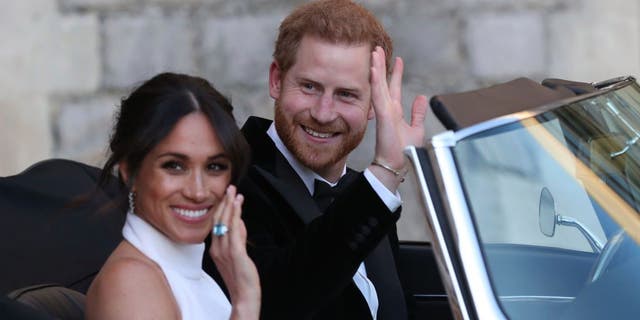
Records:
x=271, y=165
x=381, y=270
x=296, y=196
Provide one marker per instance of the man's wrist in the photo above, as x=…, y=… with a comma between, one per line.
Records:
x=398, y=173
x=386, y=177
x=390, y=197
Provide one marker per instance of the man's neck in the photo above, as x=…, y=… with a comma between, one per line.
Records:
x=305, y=173
x=333, y=174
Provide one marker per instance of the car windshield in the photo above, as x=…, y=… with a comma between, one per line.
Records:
x=555, y=200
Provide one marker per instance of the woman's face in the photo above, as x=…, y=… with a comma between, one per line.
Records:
x=182, y=179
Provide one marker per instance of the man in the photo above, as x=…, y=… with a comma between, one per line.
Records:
x=328, y=78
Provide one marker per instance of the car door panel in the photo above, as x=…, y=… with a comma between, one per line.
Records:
x=422, y=283
x=536, y=281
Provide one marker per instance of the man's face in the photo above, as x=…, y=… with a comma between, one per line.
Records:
x=323, y=103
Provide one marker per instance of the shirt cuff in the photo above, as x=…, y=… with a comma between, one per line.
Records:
x=392, y=201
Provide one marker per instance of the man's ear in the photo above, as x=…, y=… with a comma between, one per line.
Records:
x=123, y=170
x=275, y=80
x=372, y=113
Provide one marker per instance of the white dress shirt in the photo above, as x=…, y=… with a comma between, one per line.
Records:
x=391, y=200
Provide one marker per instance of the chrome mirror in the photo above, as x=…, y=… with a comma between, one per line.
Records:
x=547, y=213
x=548, y=219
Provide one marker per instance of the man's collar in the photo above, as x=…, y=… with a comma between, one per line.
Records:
x=307, y=175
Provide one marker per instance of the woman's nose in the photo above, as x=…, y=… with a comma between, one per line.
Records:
x=196, y=189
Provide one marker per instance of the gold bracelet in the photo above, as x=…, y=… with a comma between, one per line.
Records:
x=397, y=173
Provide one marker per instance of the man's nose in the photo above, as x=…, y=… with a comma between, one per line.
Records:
x=324, y=111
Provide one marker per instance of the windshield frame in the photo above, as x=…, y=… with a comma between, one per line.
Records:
x=482, y=297
x=451, y=138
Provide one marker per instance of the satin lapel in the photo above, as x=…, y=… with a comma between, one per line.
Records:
x=274, y=168
x=291, y=187
x=287, y=183
x=349, y=177
x=381, y=270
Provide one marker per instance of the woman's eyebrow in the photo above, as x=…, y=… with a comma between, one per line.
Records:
x=182, y=156
x=221, y=155
x=173, y=154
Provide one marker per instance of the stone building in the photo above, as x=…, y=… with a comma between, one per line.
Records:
x=67, y=63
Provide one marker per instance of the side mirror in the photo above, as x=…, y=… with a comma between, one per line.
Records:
x=547, y=213
x=548, y=219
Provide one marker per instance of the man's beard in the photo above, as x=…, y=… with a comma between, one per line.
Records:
x=316, y=157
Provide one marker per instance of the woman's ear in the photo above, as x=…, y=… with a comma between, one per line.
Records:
x=123, y=170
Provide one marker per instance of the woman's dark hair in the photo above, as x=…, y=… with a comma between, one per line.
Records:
x=152, y=110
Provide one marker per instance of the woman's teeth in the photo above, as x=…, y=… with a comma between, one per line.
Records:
x=191, y=213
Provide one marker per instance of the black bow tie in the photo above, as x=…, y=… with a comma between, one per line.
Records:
x=324, y=194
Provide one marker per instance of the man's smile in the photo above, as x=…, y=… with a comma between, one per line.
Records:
x=318, y=134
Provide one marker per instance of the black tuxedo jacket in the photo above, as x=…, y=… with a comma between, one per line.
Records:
x=306, y=258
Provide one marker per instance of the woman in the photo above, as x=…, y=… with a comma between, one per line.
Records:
x=178, y=150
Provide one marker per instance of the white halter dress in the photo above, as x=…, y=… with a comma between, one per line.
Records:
x=197, y=294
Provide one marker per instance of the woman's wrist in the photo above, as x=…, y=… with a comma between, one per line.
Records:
x=247, y=310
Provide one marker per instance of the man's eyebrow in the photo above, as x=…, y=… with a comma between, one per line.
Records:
x=306, y=79
x=350, y=89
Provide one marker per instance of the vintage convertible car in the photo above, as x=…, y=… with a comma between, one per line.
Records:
x=532, y=197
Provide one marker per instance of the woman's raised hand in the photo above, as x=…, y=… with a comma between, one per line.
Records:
x=229, y=253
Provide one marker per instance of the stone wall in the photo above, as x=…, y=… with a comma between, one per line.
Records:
x=67, y=63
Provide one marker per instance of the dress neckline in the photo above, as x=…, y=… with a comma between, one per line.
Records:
x=185, y=259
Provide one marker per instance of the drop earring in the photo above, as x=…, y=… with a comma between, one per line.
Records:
x=132, y=202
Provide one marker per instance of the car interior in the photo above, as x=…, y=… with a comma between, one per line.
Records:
x=60, y=227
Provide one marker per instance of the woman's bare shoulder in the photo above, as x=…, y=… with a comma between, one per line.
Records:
x=130, y=285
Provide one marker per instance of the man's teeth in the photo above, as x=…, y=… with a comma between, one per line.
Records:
x=317, y=134
x=191, y=213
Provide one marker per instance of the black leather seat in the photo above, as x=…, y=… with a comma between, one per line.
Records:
x=52, y=300
x=57, y=227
